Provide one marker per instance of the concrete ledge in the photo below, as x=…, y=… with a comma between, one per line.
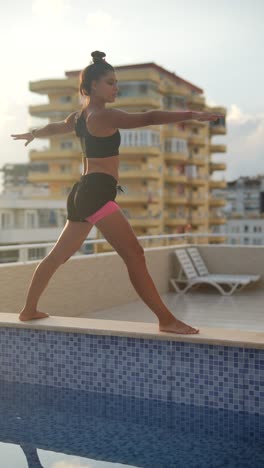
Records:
x=215, y=336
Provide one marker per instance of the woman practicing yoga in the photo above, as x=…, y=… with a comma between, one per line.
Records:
x=92, y=199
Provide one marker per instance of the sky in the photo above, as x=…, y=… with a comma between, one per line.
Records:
x=216, y=46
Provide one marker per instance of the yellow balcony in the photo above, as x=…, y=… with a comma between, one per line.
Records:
x=217, y=239
x=145, y=222
x=197, y=160
x=194, y=100
x=175, y=221
x=195, y=123
x=213, y=201
x=135, y=101
x=65, y=85
x=176, y=199
x=173, y=88
x=216, y=109
x=217, y=129
x=139, y=174
x=36, y=177
x=195, y=140
x=143, y=74
x=217, y=166
x=51, y=109
x=175, y=157
x=216, y=219
x=217, y=148
x=173, y=132
x=197, y=181
x=139, y=151
x=217, y=184
x=175, y=178
x=197, y=200
x=137, y=197
x=51, y=155
x=198, y=220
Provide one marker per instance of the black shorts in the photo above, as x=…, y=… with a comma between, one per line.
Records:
x=89, y=194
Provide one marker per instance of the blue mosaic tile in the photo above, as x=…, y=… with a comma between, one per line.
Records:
x=138, y=367
x=254, y=380
x=220, y=377
x=126, y=430
x=207, y=375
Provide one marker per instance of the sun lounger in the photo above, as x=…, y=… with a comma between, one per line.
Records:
x=203, y=270
x=189, y=277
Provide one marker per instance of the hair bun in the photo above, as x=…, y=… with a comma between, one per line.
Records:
x=98, y=57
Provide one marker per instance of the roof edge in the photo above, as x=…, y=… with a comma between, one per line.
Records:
x=172, y=75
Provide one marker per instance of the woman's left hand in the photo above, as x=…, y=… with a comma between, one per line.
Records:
x=23, y=136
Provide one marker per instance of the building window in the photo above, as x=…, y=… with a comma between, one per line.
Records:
x=64, y=99
x=39, y=166
x=67, y=144
x=65, y=168
x=143, y=88
x=5, y=220
x=53, y=218
x=31, y=220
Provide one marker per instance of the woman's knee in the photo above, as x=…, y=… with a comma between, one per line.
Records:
x=136, y=254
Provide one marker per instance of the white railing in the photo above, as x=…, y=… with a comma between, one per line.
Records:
x=27, y=252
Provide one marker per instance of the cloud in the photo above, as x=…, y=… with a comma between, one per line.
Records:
x=245, y=142
x=50, y=8
x=5, y=113
x=210, y=102
x=102, y=21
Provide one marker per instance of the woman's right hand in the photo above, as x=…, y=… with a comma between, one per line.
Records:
x=23, y=136
x=206, y=116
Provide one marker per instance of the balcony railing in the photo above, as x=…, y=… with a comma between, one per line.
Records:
x=172, y=198
x=217, y=201
x=214, y=148
x=196, y=140
x=135, y=101
x=23, y=253
x=197, y=159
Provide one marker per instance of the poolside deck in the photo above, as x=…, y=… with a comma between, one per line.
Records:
x=242, y=311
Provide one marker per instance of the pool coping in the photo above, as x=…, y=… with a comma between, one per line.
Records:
x=214, y=336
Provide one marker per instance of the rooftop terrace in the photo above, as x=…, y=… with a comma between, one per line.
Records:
x=83, y=295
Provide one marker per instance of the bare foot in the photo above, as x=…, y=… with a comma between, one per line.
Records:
x=176, y=326
x=24, y=315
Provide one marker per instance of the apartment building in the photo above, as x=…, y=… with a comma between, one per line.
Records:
x=166, y=170
x=244, y=210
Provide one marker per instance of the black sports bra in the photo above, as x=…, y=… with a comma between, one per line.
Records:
x=93, y=146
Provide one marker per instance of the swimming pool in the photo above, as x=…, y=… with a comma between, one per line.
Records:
x=79, y=392
x=64, y=428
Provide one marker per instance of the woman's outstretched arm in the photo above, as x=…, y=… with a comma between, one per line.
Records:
x=54, y=128
x=117, y=118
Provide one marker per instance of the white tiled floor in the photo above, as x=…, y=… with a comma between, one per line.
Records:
x=242, y=311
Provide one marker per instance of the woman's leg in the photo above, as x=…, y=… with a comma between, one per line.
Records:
x=118, y=232
x=70, y=240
